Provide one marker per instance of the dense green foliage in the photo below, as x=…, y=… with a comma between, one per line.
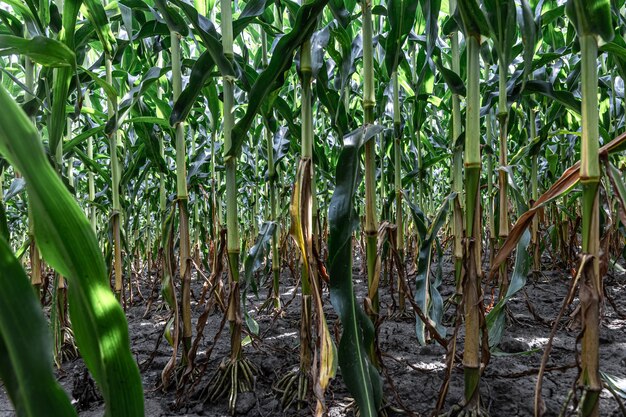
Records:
x=137, y=130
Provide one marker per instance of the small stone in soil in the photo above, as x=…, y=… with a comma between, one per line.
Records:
x=430, y=349
x=510, y=345
x=245, y=402
x=606, y=338
x=199, y=409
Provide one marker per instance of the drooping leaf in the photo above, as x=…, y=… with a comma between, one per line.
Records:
x=545, y=88
x=568, y=179
x=360, y=375
x=200, y=73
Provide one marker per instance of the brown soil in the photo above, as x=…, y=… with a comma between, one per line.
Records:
x=413, y=373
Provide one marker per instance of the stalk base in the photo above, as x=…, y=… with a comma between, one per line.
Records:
x=293, y=389
x=232, y=377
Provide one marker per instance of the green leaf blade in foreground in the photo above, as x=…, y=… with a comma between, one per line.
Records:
x=69, y=245
x=359, y=374
x=26, y=346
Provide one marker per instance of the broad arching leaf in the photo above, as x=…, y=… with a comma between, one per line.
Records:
x=42, y=50
x=67, y=242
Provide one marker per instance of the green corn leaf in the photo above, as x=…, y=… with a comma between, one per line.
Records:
x=501, y=18
x=424, y=290
x=360, y=376
x=98, y=18
x=401, y=15
x=272, y=77
x=28, y=14
x=528, y=28
x=591, y=17
x=174, y=20
x=430, y=9
x=496, y=319
x=256, y=255
x=339, y=11
x=149, y=78
x=250, y=12
x=209, y=36
x=615, y=383
x=109, y=90
x=619, y=189
x=12, y=23
x=63, y=76
x=473, y=20
x=202, y=6
x=26, y=346
x=200, y=74
x=42, y=50
x=68, y=244
x=44, y=12
x=546, y=89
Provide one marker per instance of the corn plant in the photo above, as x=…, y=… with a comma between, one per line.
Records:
x=213, y=162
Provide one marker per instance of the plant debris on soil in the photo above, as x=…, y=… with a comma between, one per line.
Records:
x=412, y=374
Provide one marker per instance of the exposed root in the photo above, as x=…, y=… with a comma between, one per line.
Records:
x=69, y=352
x=84, y=391
x=402, y=315
x=232, y=377
x=352, y=405
x=293, y=388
